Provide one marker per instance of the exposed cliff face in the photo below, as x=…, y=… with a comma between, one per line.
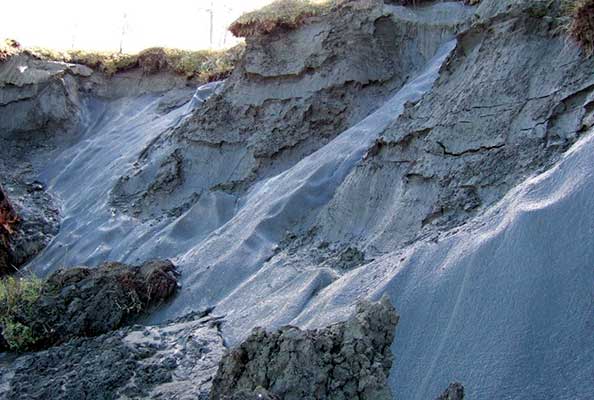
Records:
x=277, y=108
x=38, y=96
x=39, y=102
x=514, y=97
x=44, y=107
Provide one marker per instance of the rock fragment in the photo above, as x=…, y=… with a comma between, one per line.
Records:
x=454, y=392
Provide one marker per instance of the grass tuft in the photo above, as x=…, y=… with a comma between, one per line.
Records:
x=17, y=298
x=280, y=15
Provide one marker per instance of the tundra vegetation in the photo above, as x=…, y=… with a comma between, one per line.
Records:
x=79, y=302
x=17, y=298
x=280, y=15
x=202, y=65
x=291, y=14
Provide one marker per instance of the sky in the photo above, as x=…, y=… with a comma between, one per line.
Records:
x=133, y=24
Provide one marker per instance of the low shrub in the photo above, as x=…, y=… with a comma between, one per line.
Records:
x=205, y=65
x=17, y=298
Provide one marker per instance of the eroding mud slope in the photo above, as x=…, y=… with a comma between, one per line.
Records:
x=442, y=157
x=278, y=107
x=514, y=97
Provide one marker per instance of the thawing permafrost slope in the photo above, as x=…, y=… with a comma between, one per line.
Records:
x=83, y=174
x=216, y=263
x=485, y=305
x=226, y=268
x=505, y=305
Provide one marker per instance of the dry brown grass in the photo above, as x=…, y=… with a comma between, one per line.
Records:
x=280, y=15
x=291, y=14
x=581, y=28
x=8, y=48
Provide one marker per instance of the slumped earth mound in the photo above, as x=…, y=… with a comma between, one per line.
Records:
x=348, y=360
x=439, y=154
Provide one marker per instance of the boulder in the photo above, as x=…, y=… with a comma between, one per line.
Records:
x=348, y=360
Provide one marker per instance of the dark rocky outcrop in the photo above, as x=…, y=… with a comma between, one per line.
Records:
x=454, y=392
x=179, y=359
x=88, y=302
x=349, y=360
x=31, y=220
x=172, y=361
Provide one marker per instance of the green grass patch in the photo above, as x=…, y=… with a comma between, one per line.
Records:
x=17, y=298
x=282, y=14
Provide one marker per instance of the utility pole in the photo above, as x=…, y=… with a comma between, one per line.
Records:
x=230, y=11
x=210, y=11
x=124, y=31
x=211, y=24
x=74, y=34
